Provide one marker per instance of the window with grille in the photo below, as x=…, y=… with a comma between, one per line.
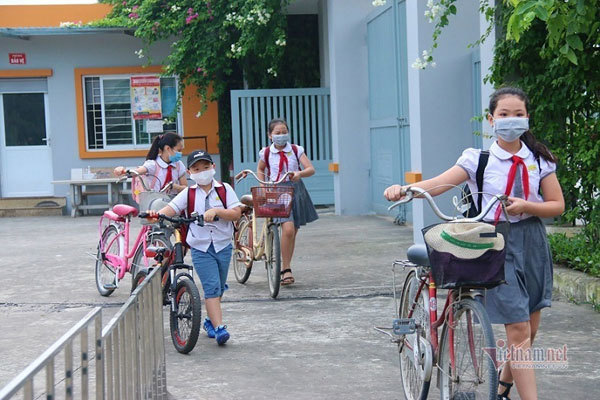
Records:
x=109, y=120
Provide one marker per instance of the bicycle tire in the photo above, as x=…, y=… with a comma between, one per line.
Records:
x=243, y=238
x=139, y=278
x=140, y=261
x=469, y=315
x=185, y=320
x=273, y=261
x=414, y=384
x=101, y=266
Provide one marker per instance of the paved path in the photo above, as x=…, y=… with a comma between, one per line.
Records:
x=315, y=342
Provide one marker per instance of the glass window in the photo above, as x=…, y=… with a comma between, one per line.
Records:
x=24, y=119
x=109, y=118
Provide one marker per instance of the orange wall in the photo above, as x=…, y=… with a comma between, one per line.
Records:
x=207, y=125
x=50, y=15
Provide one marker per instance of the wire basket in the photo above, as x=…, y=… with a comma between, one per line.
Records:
x=272, y=201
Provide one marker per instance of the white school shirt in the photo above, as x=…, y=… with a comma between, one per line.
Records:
x=150, y=165
x=273, y=162
x=496, y=175
x=220, y=232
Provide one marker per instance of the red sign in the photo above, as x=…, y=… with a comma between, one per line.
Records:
x=145, y=97
x=17, y=58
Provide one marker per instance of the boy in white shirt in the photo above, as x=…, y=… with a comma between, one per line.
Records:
x=211, y=244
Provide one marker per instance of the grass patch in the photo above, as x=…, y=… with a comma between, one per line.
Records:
x=576, y=252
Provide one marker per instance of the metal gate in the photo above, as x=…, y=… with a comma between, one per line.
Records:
x=388, y=101
x=308, y=115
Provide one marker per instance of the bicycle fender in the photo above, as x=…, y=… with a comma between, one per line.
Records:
x=183, y=275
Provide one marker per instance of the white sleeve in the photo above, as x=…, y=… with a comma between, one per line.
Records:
x=300, y=152
x=469, y=161
x=232, y=199
x=261, y=155
x=546, y=168
x=179, y=203
x=150, y=165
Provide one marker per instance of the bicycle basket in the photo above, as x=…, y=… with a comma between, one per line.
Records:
x=467, y=254
x=272, y=201
x=152, y=201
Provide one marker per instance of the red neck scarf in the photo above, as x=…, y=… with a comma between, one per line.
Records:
x=511, y=180
x=283, y=160
x=169, y=176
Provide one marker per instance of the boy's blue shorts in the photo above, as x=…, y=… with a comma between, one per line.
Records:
x=212, y=269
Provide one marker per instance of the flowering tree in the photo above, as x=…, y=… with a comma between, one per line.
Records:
x=210, y=39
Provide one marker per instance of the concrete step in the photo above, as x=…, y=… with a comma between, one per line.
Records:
x=32, y=206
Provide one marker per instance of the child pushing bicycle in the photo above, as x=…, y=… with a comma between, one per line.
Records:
x=274, y=161
x=210, y=244
x=520, y=167
x=163, y=165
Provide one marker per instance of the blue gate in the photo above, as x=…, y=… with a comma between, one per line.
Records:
x=388, y=102
x=307, y=113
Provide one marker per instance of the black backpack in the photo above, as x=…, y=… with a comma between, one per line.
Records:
x=468, y=196
x=474, y=210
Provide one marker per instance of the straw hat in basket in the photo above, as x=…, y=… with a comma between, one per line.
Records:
x=465, y=240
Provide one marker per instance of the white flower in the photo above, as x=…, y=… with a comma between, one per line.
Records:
x=377, y=3
x=280, y=42
x=418, y=64
x=433, y=64
x=236, y=49
x=272, y=71
x=175, y=8
x=70, y=24
x=139, y=53
x=198, y=114
x=229, y=17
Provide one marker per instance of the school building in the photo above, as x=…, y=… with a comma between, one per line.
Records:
x=373, y=119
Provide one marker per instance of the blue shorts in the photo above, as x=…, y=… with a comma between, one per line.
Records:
x=212, y=269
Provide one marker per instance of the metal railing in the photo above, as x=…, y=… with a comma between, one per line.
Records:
x=129, y=354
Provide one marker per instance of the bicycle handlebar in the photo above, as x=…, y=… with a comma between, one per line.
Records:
x=411, y=191
x=242, y=174
x=195, y=217
x=130, y=173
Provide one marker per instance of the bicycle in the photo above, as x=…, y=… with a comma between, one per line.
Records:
x=113, y=254
x=179, y=289
x=268, y=201
x=465, y=356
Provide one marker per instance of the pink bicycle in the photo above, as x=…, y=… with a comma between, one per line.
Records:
x=115, y=258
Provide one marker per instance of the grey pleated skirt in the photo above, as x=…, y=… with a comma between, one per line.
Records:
x=528, y=274
x=303, y=210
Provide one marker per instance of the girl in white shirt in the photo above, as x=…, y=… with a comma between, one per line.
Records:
x=528, y=265
x=279, y=158
x=163, y=164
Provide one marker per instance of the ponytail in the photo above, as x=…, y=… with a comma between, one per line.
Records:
x=159, y=143
x=537, y=148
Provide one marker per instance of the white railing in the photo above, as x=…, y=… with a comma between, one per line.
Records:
x=128, y=354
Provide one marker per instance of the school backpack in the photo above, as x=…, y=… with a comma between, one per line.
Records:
x=191, y=201
x=467, y=199
x=267, y=153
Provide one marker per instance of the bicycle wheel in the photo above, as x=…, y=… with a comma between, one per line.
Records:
x=185, y=320
x=273, y=261
x=140, y=261
x=415, y=366
x=474, y=375
x=139, y=278
x=106, y=274
x=242, y=265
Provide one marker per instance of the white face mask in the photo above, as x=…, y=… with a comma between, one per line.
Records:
x=511, y=128
x=204, y=177
x=281, y=140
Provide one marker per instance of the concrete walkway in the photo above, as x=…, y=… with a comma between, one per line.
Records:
x=316, y=341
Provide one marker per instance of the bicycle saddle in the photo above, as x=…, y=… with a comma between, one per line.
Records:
x=247, y=200
x=417, y=254
x=123, y=210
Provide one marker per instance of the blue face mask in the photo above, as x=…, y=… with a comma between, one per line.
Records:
x=175, y=157
x=281, y=140
x=511, y=128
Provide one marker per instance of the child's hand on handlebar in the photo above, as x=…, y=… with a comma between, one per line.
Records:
x=119, y=171
x=152, y=215
x=295, y=176
x=395, y=192
x=210, y=215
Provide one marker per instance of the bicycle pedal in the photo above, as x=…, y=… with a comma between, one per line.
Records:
x=404, y=326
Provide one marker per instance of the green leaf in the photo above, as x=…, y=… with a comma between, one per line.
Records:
x=564, y=49
x=452, y=9
x=581, y=7
x=571, y=56
x=541, y=13
x=575, y=42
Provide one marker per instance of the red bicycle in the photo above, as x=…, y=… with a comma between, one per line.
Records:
x=464, y=357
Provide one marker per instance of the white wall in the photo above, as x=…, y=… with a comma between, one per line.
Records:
x=346, y=21
x=440, y=101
